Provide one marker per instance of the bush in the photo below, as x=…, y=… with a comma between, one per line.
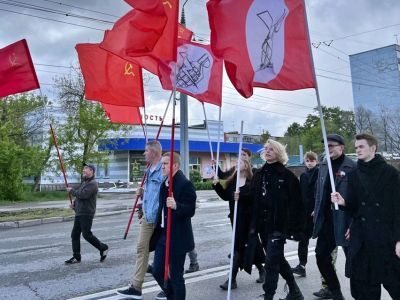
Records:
x=195, y=176
x=207, y=185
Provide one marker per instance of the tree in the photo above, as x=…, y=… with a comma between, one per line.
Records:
x=86, y=124
x=310, y=134
x=265, y=135
x=20, y=154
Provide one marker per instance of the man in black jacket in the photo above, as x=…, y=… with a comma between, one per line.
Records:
x=331, y=226
x=373, y=199
x=85, y=208
x=183, y=205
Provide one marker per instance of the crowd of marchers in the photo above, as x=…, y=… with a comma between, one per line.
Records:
x=354, y=205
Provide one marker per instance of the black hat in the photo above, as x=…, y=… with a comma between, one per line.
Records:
x=91, y=166
x=335, y=138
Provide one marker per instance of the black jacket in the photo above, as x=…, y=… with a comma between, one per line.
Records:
x=85, y=197
x=280, y=209
x=374, y=203
x=308, y=181
x=341, y=219
x=182, y=240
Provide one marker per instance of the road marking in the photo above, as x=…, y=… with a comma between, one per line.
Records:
x=217, y=225
x=152, y=286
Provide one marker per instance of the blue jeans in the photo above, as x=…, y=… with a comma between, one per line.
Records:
x=175, y=289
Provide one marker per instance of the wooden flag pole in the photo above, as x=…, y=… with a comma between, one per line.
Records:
x=208, y=132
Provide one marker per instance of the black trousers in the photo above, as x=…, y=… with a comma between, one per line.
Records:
x=275, y=264
x=362, y=290
x=83, y=225
x=325, y=245
x=302, y=251
x=176, y=283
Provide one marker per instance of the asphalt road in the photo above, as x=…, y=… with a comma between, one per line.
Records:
x=32, y=261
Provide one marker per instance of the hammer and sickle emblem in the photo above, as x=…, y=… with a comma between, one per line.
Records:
x=128, y=69
x=13, y=59
x=167, y=3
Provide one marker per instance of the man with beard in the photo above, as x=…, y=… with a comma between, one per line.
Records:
x=373, y=199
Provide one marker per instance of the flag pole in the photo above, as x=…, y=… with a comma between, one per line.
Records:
x=208, y=131
x=321, y=116
x=235, y=213
x=53, y=135
x=218, y=143
x=144, y=174
x=170, y=185
x=60, y=159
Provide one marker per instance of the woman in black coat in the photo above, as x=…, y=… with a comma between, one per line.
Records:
x=227, y=193
x=277, y=215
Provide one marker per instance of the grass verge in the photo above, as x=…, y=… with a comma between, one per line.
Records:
x=36, y=213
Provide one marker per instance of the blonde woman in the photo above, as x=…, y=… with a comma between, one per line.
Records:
x=227, y=193
x=277, y=213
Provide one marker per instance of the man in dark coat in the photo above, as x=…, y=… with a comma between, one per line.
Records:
x=373, y=199
x=330, y=225
x=183, y=206
x=85, y=208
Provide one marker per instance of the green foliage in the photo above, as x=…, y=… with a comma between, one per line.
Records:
x=310, y=135
x=199, y=186
x=264, y=137
x=86, y=125
x=19, y=156
x=195, y=176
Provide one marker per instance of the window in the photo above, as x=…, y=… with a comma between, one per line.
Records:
x=194, y=163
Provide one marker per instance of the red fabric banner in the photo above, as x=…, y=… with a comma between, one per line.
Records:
x=17, y=73
x=122, y=114
x=263, y=43
x=119, y=42
x=184, y=33
x=108, y=78
x=199, y=73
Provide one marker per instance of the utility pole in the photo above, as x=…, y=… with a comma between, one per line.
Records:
x=184, y=126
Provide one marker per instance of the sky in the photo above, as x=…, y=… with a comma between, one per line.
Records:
x=337, y=29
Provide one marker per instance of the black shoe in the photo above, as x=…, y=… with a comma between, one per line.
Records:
x=130, y=292
x=299, y=270
x=103, y=254
x=294, y=292
x=149, y=269
x=73, y=260
x=225, y=285
x=261, y=279
x=337, y=295
x=161, y=296
x=323, y=293
x=193, y=268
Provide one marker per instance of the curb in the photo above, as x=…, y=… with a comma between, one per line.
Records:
x=34, y=222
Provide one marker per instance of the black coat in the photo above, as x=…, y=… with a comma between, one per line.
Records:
x=285, y=212
x=341, y=218
x=184, y=193
x=308, y=181
x=374, y=203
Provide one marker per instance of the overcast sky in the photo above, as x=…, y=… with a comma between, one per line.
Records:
x=337, y=28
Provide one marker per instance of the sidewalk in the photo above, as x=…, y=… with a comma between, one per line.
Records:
x=107, y=204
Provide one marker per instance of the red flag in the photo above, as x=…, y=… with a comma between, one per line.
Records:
x=108, y=78
x=17, y=73
x=184, y=33
x=122, y=114
x=119, y=42
x=199, y=73
x=263, y=43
